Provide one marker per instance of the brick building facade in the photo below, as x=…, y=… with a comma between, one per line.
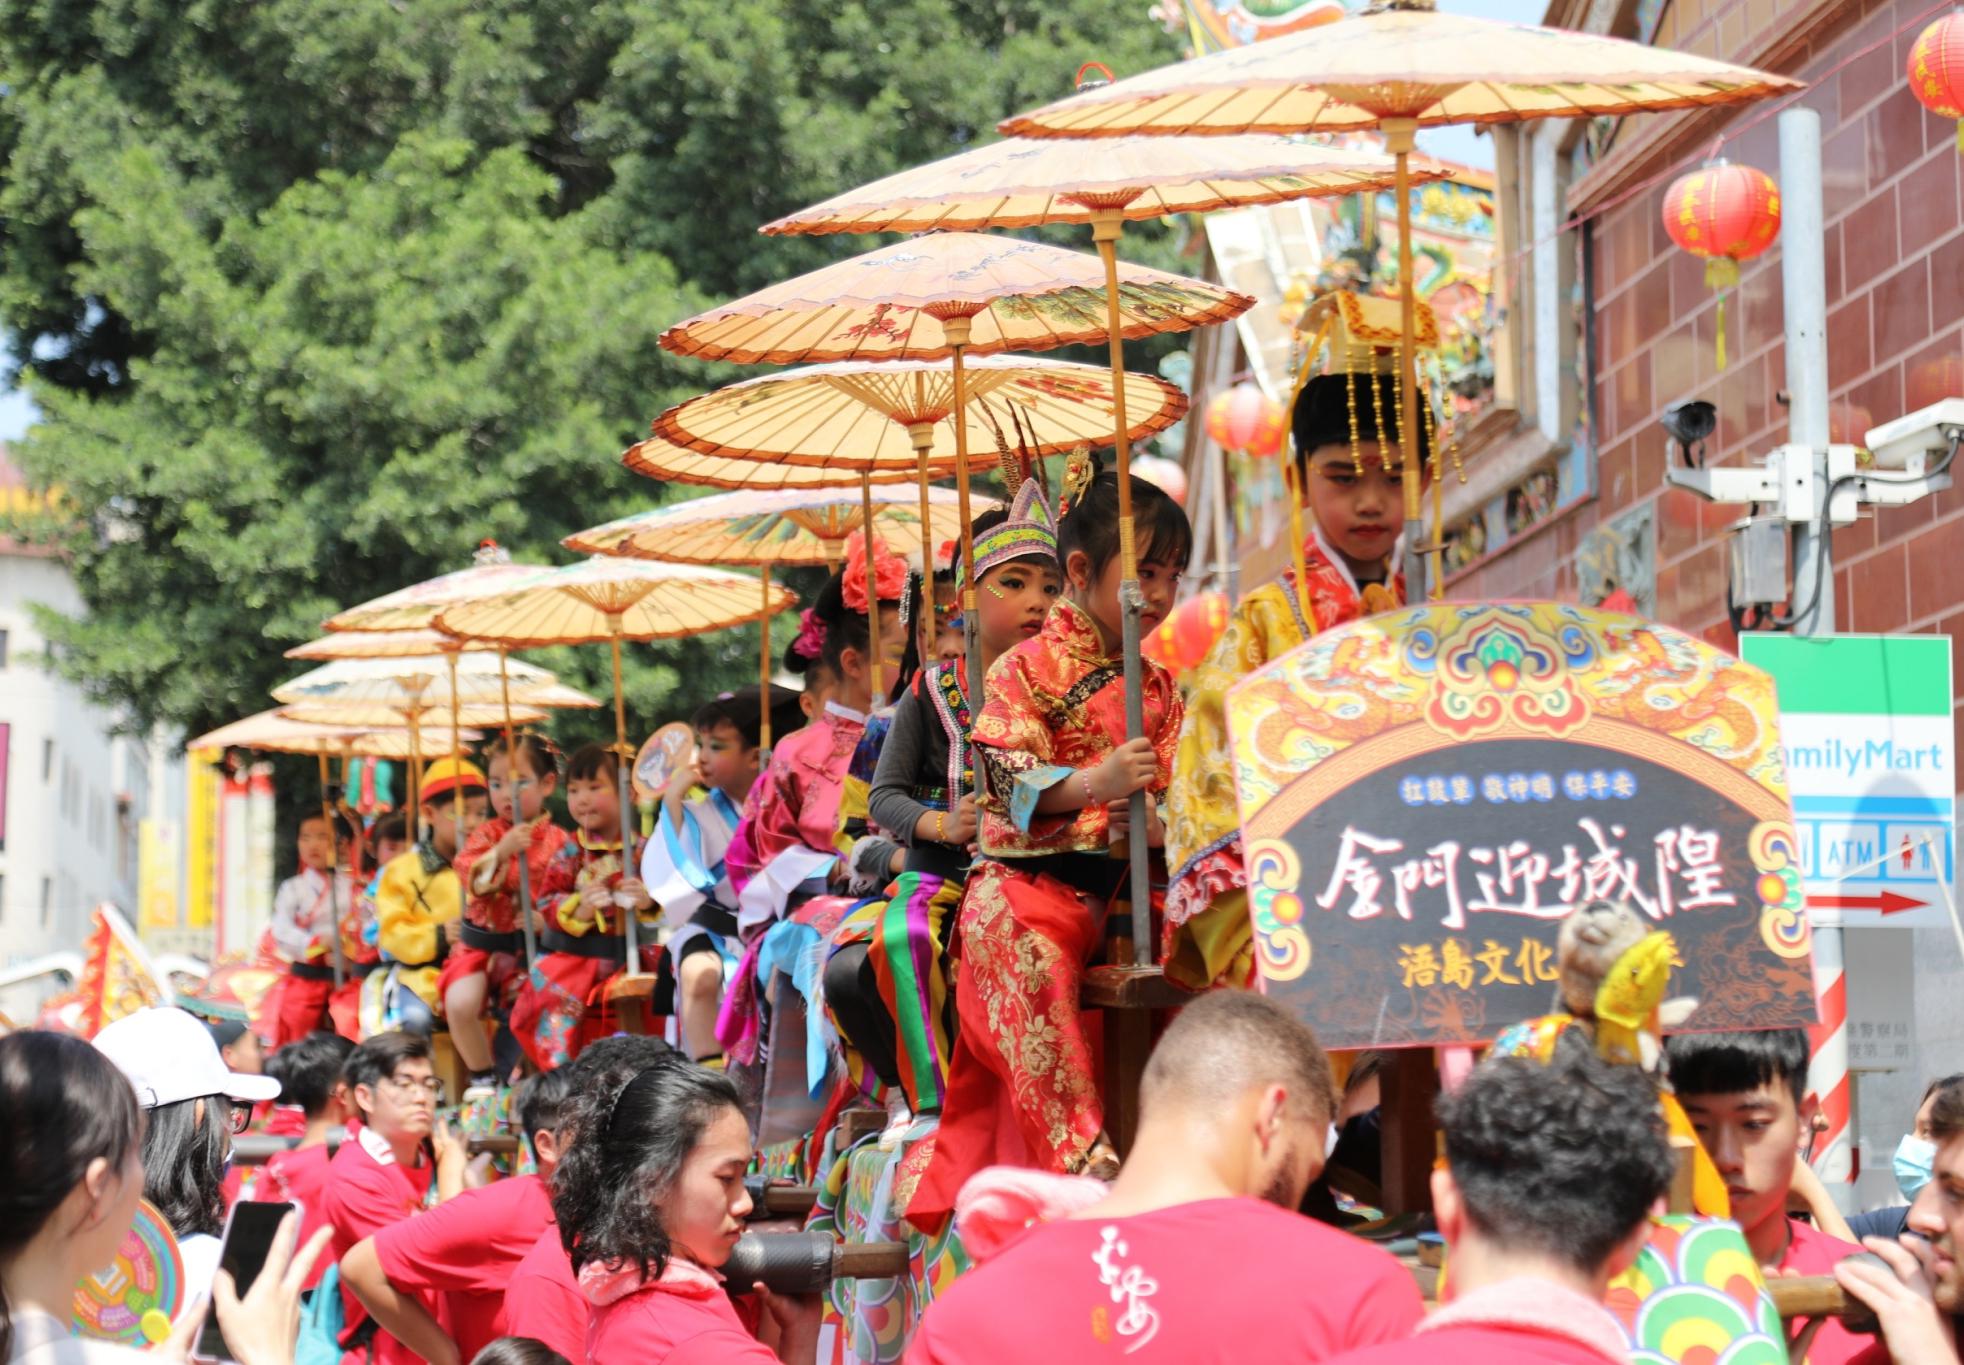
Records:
x=1895, y=290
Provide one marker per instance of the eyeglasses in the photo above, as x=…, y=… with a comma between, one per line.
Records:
x=428, y=1085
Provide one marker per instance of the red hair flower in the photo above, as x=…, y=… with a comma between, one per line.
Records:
x=889, y=573
x=811, y=636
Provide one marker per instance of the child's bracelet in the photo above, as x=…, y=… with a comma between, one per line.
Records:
x=941, y=827
x=1090, y=796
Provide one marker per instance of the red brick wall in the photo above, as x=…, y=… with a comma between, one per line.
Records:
x=1895, y=283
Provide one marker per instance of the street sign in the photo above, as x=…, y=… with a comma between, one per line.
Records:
x=1427, y=793
x=1872, y=767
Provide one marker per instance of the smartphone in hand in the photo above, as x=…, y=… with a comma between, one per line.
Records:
x=249, y=1232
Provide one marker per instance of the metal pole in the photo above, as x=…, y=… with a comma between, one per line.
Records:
x=1803, y=279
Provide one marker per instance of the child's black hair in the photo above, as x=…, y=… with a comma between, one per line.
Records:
x=539, y=754
x=309, y=1068
x=592, y=761
x=392, y=828
x=344, y=832
x=1733, y=1063
x=541, y=1101
x=741, y=710
x=518, y=1351
x=1163, y=533
x=844, y=628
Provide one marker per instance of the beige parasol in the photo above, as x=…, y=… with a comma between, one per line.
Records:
x=1399, y=66
x=768, y=529
x=613, y=600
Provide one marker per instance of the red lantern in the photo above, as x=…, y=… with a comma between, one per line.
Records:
x=1244, y=418
x=1936, y=70
x=1935, y=380
x=1726, y=214
x=1183, y=638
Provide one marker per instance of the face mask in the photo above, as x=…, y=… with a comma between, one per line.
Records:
x=1915, y=1162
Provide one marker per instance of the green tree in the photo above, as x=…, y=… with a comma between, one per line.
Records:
x=315, y=294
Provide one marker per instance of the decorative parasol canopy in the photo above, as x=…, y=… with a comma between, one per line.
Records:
x=428, y=720
x=1401, y=60
x=377, y=644
x=423, y=681
x=895, y=303
x=276, y=732
x=1020, y=182
x=664, y=460
x=852, y=418
x=613, y=599
x=751, y=527
x=416, y=606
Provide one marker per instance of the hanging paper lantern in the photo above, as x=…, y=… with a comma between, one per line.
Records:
x=1726, y=214
x=1166, y=475
x=1183, y=638
x=1932, y=381
x=1244, y=418
x=1936, y=70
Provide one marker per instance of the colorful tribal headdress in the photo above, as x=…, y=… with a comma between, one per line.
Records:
x=1030, y=529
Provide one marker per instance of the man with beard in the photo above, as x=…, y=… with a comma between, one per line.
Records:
x=1196, y=1253
x=1922, y=1305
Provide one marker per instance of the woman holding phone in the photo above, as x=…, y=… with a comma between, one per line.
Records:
x=71, y=1145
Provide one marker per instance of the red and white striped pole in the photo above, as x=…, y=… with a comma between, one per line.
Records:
x=1827, y=1074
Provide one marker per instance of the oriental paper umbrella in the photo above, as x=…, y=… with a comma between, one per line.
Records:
x=612, y=600
x=766, y=529
x=276, y=733
x=947, y=295
x=858, y=419
x=1399, y=66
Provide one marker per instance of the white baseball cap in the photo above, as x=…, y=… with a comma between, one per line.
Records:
x=169, y=1055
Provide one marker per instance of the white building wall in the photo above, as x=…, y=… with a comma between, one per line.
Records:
x=68, y=844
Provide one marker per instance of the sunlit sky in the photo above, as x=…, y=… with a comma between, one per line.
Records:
x=1454, y=144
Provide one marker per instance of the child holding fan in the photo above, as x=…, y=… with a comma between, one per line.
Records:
x=1060, y=771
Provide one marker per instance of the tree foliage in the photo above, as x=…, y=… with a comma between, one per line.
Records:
x=316, y=294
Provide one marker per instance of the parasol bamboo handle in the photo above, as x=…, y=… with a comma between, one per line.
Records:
x=874, y=652
x=1399, y=134
x=517, y=817
x=630, y=917
x=1105, y=230
x=764, y=670
x=456, y=750
x=333, y=876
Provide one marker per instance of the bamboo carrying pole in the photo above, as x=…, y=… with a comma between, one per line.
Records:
x=456, y=757
x=957, y=330
x=333, y=878
x=1399, y=136
x=764, y=669
x=875, y=653
x=1105, y=230
x=517, y=785
x=630, y=917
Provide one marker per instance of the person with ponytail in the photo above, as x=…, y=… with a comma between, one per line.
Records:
x=1059, y=773
x=650, y=1201
x=793, y=850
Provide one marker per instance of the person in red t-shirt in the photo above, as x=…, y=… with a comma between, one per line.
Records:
x=309, y=1073
x=542, y=1299
x=650, y=1199
x=1746, y=1096
x=1552, y=1172
x=462, y=1254
x=384, y=1173
x=1197, y=1254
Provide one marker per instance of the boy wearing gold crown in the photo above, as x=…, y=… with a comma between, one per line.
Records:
x=1348, y=465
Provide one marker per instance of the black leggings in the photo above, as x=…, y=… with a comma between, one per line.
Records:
x=852, y=993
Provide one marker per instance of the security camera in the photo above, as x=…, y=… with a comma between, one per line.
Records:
x=1690, y=423
x=1913, y=443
